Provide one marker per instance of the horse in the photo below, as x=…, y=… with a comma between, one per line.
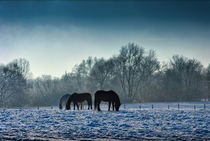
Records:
x=107, y=96
x=63, y=100
x=79, y=98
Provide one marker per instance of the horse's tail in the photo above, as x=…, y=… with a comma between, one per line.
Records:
x=68, y=103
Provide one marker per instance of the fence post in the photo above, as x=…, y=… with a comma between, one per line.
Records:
x=194, y=107
x=178, y=105
x=152, y=106
x=140, y=107
x=168, y=107
x=204, y=106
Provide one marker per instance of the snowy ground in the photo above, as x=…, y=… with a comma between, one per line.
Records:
x=132, y=122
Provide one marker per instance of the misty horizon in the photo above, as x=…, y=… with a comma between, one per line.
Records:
x=54, y=76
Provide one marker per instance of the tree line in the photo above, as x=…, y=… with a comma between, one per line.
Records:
x=135, y=74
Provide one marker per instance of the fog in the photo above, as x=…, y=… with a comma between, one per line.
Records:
x=134, y=73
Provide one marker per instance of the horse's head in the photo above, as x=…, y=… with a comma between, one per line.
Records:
x=117, y=106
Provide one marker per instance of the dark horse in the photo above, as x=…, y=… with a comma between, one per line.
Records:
x=79, y=98
x=108, y=96
x=63, y=100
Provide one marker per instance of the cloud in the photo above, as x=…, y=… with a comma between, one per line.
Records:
x=54, y=49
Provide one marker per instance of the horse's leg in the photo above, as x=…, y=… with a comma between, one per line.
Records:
x=95, y=105
x=77, y=106
x=90, y=103
x=98, y=106
x=74, y=105
x=109, y=106
x=91, y=106
x=113, y=105
x=96, y=102
x=81, y=106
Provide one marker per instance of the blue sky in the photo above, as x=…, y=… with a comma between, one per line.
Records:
x=56, y=35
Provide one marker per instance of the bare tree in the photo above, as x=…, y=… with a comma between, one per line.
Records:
x=12, y=85
x=183, y=78
x=23, y=67
x=132, y=66
x=101, y=71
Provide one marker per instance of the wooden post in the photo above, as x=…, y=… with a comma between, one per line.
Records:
x=178, y=105
x=152, y=106
x=204, y=106
x=140, y=107
x=194, y=107
x=168, y=107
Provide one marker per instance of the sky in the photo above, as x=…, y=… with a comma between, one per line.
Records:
x=56, y=35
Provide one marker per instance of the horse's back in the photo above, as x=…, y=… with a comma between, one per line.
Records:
x=106, y=95
x=80, y=97
x=85, y=94
x=100, y=94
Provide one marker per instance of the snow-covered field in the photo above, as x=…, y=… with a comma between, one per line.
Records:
x=132, y=122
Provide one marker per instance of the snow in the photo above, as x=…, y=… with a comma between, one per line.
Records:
x=132, y=122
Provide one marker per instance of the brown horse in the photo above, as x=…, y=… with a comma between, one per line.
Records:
x=108, y=96
x=79, y=98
